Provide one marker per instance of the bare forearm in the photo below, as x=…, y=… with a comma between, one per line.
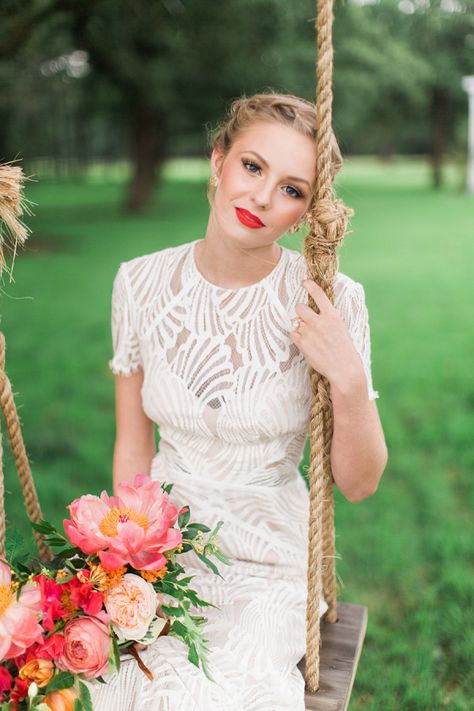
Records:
x=358, y=450
x=127, y=463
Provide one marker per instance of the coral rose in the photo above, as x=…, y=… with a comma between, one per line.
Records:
x=19, y=627
x=86, y=647
x=131, y=605
x=40, y=671
x=135, y=527
x=62, y=700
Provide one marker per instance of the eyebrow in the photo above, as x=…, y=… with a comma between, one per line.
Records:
x=289, y=177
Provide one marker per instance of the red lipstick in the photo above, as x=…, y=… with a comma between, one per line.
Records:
x=248, y=219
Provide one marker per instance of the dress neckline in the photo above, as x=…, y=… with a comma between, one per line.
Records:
x=238, y=289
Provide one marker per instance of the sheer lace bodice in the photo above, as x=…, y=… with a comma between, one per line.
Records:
x=231, y=395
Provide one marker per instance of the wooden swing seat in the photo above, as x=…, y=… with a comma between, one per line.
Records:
x=341, y=645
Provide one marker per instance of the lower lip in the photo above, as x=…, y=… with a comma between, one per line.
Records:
x=245, y=220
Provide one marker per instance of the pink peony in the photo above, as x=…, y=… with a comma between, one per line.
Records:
x=135, y=527
x=131, y=605
x=86, y=647
x=19, y=627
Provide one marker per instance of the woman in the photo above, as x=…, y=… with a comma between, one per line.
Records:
x=207, y=346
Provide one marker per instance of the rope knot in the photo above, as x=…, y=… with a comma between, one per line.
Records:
x=329, y=220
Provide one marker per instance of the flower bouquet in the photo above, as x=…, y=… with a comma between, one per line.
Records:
x=114, y=586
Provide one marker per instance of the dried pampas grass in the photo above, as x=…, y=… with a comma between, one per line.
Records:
x=13, y=205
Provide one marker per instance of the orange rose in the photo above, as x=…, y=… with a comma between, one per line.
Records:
x=62, y=700
x=38, y=670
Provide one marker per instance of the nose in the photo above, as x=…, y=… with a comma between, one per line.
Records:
x=261, y=195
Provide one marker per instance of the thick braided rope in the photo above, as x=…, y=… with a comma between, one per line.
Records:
x=328, y=222
x=21, y=460
x=2, y=502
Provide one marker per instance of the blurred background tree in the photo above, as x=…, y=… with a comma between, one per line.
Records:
x=89, y=80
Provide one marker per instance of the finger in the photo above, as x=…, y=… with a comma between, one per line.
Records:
x=306, y=313
x=318, y=294
x=296, y=336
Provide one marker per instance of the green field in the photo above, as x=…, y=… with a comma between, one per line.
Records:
x=407, y=552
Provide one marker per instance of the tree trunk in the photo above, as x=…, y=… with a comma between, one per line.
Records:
x=147, y=126
x=439, y=124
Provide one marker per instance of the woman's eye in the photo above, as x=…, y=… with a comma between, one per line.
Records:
x=296, y=193
x=249, y=163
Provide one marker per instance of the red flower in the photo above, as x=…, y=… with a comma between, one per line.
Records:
x=52, y=648
x=5, y=681
x=20, y=690
x=83, y=595
x=50, y=601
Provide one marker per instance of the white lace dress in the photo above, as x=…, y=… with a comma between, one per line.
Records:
x=231, y=395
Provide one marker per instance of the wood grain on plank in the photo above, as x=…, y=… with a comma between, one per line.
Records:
x=341, y=646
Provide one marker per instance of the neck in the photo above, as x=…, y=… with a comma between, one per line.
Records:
x=231, y=264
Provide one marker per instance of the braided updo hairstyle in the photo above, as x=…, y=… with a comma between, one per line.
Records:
x=287, y=109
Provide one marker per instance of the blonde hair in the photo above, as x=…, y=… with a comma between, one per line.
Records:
x=290, y=110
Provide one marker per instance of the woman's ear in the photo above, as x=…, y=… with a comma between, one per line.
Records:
x=216, y=161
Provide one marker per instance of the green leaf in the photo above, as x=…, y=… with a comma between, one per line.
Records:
x=185, y=581
x=171, y=590
x=114, y=656
x=43, y=527
x=199, y=527
x=183, y=518
x=172, y=611
x=78, y=705
x=66, y=579
x=180, y=629
x=23, y=568
x=193, y=655
x=14, y=544
x=209, y=564
x=190, y=534
x=222, y=557
x=85, y=696
x=62, y=680
x=197, y=602
x=56, y=540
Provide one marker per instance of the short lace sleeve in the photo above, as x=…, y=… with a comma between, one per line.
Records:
x=355, y=314
x=126, y=348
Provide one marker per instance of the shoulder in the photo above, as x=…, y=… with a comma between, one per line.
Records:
x=143, y=275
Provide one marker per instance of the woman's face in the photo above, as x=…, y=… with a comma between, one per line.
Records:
x=268, y=173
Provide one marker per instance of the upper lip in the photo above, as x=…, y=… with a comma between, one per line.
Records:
x=251, y=215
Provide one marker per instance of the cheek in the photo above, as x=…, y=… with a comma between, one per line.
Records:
x=290, y=210
x=233, y=180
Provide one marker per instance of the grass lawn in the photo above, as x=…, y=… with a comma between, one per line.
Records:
x=408, y=551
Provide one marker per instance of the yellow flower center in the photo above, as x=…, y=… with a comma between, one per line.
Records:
x=6, y=597
x=109, y=524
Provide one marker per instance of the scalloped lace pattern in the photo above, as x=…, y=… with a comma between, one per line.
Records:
x=231, y=395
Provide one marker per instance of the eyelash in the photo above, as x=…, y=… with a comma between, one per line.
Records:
x=298, y=195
